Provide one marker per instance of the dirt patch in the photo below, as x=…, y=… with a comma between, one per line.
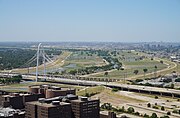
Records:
x=115, y=99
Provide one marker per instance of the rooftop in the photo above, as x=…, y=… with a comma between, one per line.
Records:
x=83, y=99
x=48, y=105
x=9, y=111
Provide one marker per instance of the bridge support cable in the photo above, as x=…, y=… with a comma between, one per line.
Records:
x=46, y=58
x=29, y=61
x=40, y=54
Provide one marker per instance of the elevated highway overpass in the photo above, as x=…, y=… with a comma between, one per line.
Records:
x=124, y=87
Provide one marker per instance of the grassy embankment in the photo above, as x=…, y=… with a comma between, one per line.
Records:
x=59, y=62
x=132, y=62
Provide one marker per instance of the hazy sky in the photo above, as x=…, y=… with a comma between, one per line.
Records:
x=90, y=20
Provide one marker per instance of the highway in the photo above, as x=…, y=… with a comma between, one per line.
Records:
x=125, y=87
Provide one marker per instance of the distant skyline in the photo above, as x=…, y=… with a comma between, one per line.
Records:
x=90, y=20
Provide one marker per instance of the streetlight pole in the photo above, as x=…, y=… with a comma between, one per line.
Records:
x=177, y=68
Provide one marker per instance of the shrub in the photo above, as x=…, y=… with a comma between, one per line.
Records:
x=149, y=105
x=137, y=113
x=176, y=111
x=115, y=90
x=154, y=115
x=138, y=80
x=177, y=80
x=164, y=117
x=155, y=107
x=107, y=106
x=162, y=108
x=130, y=110
x=123, y=109
x=87, y=95
x=172, y=86
x=156, y=97
x=168, y=113
x=146, y=116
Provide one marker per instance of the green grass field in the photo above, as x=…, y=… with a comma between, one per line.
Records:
x=131, y=61
x=81, y=60
x=131, y=66
x=96, y=89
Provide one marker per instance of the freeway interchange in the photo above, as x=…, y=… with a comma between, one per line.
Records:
x=124, y=87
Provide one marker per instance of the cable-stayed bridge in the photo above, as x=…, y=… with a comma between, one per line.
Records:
x=43, y=62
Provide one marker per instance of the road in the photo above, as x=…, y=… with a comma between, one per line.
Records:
x=126, y=87
x=113, y=84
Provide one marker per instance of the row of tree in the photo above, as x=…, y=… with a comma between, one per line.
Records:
x=15, y=57
x=12, y=80
x=130, y=110
x=145, y=70
x=113, y=64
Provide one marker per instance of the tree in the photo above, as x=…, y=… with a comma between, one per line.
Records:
x=162, y=108
x=177, y=80
x=154, y=115
x=136, y=72
x=130, y=110
x=106, y=74
x=73, y=72
x=115, y=90
x=107, y=106
x=172, y=86
x=155, y=71
x=161, y=62
x=168, y=113
x=164, y=117
x=146, y=116
x=123, y=109
x=145, y=70
x=149, y=105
